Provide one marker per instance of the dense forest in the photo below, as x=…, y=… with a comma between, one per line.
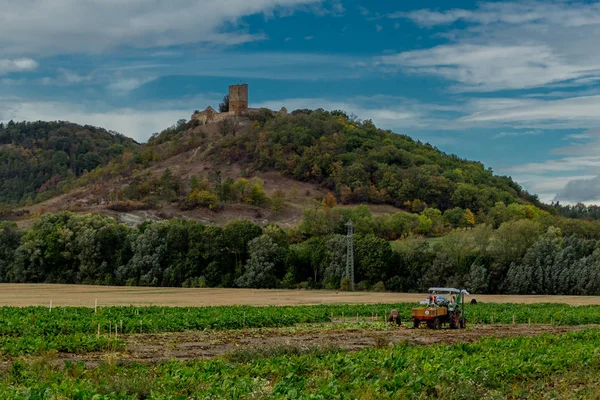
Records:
x=545, y=254
x=36, y=158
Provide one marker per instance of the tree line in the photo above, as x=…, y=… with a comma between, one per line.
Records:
x=525, y=255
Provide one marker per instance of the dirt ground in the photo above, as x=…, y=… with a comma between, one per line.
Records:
x=82, y=295
x=199, y=345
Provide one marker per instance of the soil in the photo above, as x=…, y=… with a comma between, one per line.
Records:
x=150, y=348
x=22, y=295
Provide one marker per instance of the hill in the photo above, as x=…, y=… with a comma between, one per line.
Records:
x=37, y=159
x=265, y=166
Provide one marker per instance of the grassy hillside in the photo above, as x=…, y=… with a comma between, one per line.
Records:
x=36, y=158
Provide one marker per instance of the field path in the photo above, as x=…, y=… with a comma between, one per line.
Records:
x=150, y=348
x=22, y=295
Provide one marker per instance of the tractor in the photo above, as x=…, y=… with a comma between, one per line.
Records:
x=443, y=306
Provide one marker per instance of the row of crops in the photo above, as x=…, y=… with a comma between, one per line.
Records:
x=489, y=368
x=76, y=330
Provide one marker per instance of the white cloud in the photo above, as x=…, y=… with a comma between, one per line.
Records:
x=545, y=186
x=576, y=112
x=68, y=26
x=510, y=45
x=17, y=65
x=378, y=28
x=559, y=165
x=516, y=133
x=580, y=190
x=490, y=67
x=558, y=13
x=135, y=123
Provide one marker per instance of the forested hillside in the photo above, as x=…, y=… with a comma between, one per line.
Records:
x=360, y=163
x=38, y=157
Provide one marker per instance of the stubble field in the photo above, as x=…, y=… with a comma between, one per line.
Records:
x=22, y=295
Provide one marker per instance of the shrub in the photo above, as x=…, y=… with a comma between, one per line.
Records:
x=345, y=284
x=204, y=198
x=379, y=287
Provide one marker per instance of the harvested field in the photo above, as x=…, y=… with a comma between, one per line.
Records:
x=83, y=295
x=183, y=346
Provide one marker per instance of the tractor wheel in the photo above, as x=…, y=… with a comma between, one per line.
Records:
x=454, y=321
x=416, y=323
x=436, y=323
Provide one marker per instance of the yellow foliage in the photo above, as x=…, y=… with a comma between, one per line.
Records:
x=470, y=217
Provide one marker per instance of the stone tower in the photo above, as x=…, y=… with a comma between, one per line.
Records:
x=238, y=98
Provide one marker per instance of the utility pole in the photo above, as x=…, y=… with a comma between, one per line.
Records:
x=350, y=253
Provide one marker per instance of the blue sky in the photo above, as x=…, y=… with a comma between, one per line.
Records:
x=515, y=85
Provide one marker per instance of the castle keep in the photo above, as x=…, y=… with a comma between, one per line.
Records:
x=238, y=98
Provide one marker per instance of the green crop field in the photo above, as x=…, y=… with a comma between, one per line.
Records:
x=40, y=349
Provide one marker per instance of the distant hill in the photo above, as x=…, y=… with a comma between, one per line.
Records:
x=36, y=158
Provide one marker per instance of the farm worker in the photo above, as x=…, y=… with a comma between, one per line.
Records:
x=432, y=299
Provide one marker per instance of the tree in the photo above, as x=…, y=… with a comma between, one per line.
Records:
x=260, y=269
x=224, y=105
x=237, y=234
x=535, y=274
x=10, y=238
x=329, y=200
x=277, y=201
x=204, y=198
x=373, y=256
x=455, y=217
x=336, y=261
x=478, y=278
x=510, y=243
x=469, y=218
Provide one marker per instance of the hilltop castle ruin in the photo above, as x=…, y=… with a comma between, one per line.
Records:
x=238, y=107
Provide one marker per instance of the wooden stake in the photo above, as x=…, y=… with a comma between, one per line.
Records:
x=356, y=317
x=109, y=328
x=116, y=331
x=121, y=326
x=140, y=326
x=513, y=319
x=96, y=306
x=492, y=319
x=98, y=330
x=529, y=322
x=244, y=319
x=50, y=304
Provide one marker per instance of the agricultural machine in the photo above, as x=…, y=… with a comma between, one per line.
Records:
x=443, y=306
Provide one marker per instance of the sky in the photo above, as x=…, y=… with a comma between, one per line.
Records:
x=515, y=85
